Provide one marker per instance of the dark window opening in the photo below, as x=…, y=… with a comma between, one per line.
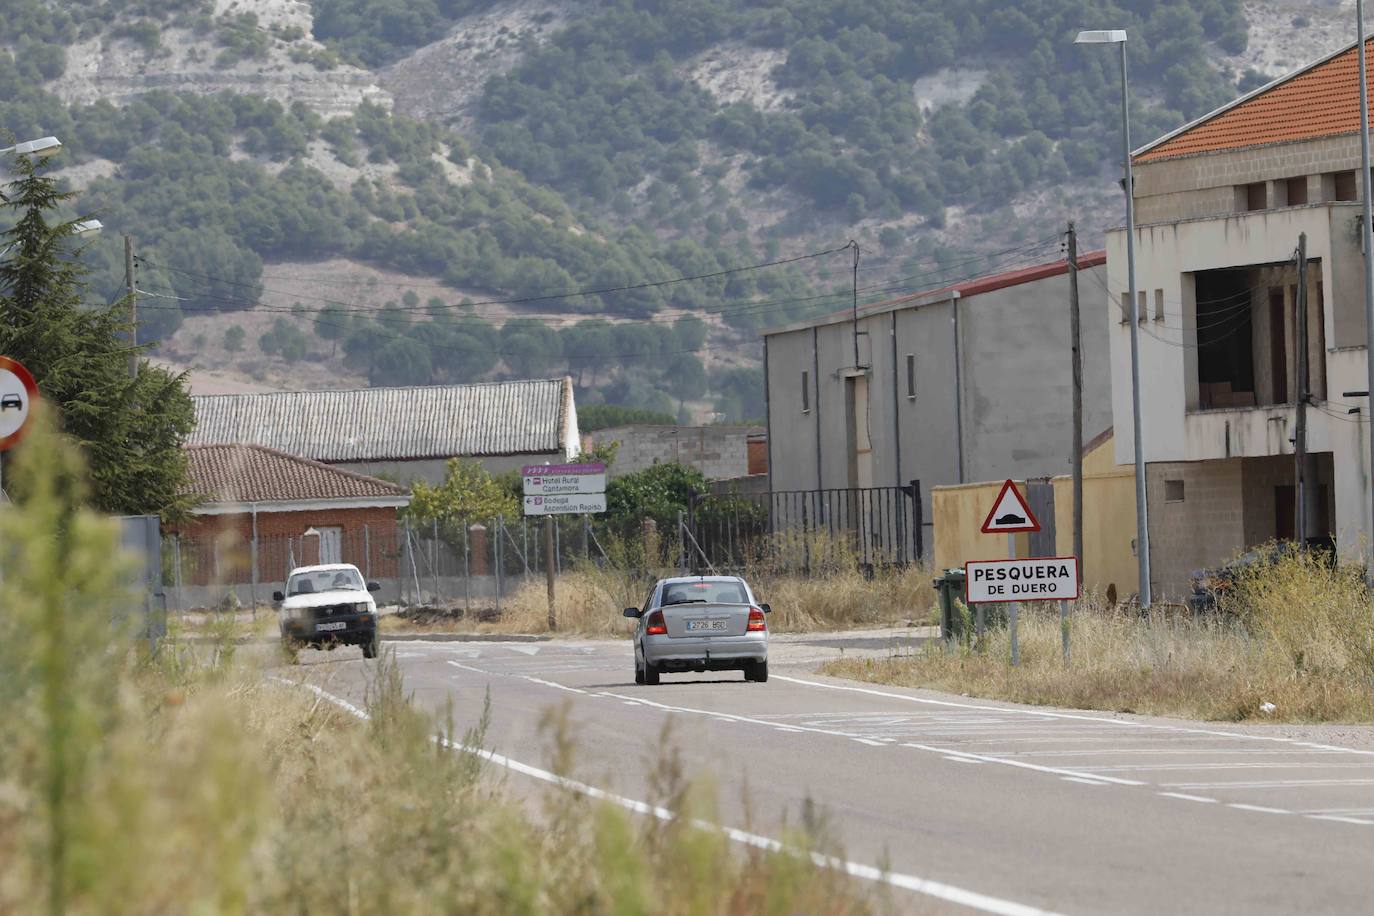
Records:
x=1256, y=196
x=1278, y=347
x=1173, y=491
x=806, y=392
x=1297, y=191
x=1225, y=358
x=911, y=375
x=1344, y=186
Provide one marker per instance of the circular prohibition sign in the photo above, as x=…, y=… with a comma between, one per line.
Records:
x=17, y=394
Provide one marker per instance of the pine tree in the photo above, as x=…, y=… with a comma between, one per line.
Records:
x=132, y=429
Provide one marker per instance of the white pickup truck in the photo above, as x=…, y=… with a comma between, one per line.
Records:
x=326, y=607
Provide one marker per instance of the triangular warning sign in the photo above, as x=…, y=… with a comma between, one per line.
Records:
x=1010, y=514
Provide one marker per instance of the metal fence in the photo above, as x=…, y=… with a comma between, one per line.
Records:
x=803, y=530
x=478, y=563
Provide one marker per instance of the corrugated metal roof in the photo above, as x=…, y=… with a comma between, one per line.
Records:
x=1320, y=100
x=251, y=473
x=393, y=424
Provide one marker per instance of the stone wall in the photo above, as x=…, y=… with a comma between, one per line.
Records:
x=719, y=452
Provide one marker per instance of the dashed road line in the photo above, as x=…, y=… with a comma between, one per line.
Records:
x=1192, y=798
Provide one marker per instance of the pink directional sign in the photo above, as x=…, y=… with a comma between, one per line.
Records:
x=559, y=470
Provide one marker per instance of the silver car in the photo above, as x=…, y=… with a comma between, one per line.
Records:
x=701, y=623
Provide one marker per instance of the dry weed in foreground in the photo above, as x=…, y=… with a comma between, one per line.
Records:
x=190, y=783
x=1293, y=633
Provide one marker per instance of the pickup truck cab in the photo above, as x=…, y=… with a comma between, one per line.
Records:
x=325, y=607
x=700, y=623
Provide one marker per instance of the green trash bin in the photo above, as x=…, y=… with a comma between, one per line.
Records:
x=950, y=587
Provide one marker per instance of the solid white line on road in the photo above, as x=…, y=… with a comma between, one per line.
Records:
x=523, y=677
x=1270, y=784
x=962, y=759
x=870, y=742
x=1086, y=782
x=522, y=648
x=1124, y=723
x=947, y=892
x=1340, y=819
x=1260, y=808
x=1192, y=798
x=474, y=670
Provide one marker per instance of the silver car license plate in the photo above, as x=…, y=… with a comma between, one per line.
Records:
x=324, y=627
x=694, y=626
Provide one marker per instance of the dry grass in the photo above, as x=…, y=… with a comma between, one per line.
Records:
x=190, y=783
x=589, y=602
x=1295, y=634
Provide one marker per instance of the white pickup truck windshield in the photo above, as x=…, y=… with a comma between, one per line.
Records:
x=324, y=580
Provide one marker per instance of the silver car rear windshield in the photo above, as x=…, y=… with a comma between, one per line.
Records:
x=324, y=580
x=704, y=593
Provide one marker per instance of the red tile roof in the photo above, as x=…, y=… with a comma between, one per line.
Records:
x=252, y=473
x=1320, y=100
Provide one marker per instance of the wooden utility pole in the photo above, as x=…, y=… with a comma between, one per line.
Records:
x=550, y=565
x=1076, y=341
x=132, y=292
x=1300, y=428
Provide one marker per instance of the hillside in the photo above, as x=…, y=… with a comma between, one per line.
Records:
x=406, y=191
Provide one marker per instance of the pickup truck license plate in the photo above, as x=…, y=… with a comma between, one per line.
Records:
x=694, y=626
x=324, y=627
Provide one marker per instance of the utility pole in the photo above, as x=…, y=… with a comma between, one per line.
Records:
x=1076, y=335
x=550, y=565
x=132, y=291
x=1300, y=429
x=856, y=302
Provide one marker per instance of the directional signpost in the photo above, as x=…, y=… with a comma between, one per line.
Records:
x=562, y=489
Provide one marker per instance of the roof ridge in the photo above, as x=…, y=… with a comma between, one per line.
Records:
x=380, y=388
x=397, y=489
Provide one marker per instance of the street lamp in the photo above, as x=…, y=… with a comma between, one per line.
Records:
x=1142, y=522
x=43, y=147
x=1367, y=240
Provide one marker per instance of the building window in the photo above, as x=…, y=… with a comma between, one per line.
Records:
x=1296, y=189
x=1344, y=186
x=911, y=376
x=806, y=392
x=1143, y=309
x=1256, y=196
x=1173, y=491
x=1125, y=308
x=1159, y=305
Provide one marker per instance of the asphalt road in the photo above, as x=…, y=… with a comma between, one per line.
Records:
x=972, y=805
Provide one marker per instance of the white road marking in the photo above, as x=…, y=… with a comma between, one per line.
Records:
x=1021, y=764
x=1295, y=765
x=962, y=759
x=940, y=891
x=1339, y=819
x=524, y=677
x=870, y=742
x=1270, y=784
x=1192, y=798
x=1086, y=782
x=1260, y=808
x=1122, y=723
x=521, y=648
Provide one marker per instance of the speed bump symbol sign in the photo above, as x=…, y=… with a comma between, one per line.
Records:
x=1010, y=513
x=17, y=393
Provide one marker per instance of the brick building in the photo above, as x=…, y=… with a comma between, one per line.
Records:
x=1221, y=203
x=260, y=503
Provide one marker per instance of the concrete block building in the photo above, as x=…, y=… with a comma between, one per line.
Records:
x=971, y=382
x=719, y=452
x=1220, y=204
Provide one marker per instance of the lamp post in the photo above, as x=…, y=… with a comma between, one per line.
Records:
x=1142, y=521
x=1367, y=244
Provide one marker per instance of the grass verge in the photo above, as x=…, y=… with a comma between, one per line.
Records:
x=589, y=601
x=1295, y=634
x=189, y=782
